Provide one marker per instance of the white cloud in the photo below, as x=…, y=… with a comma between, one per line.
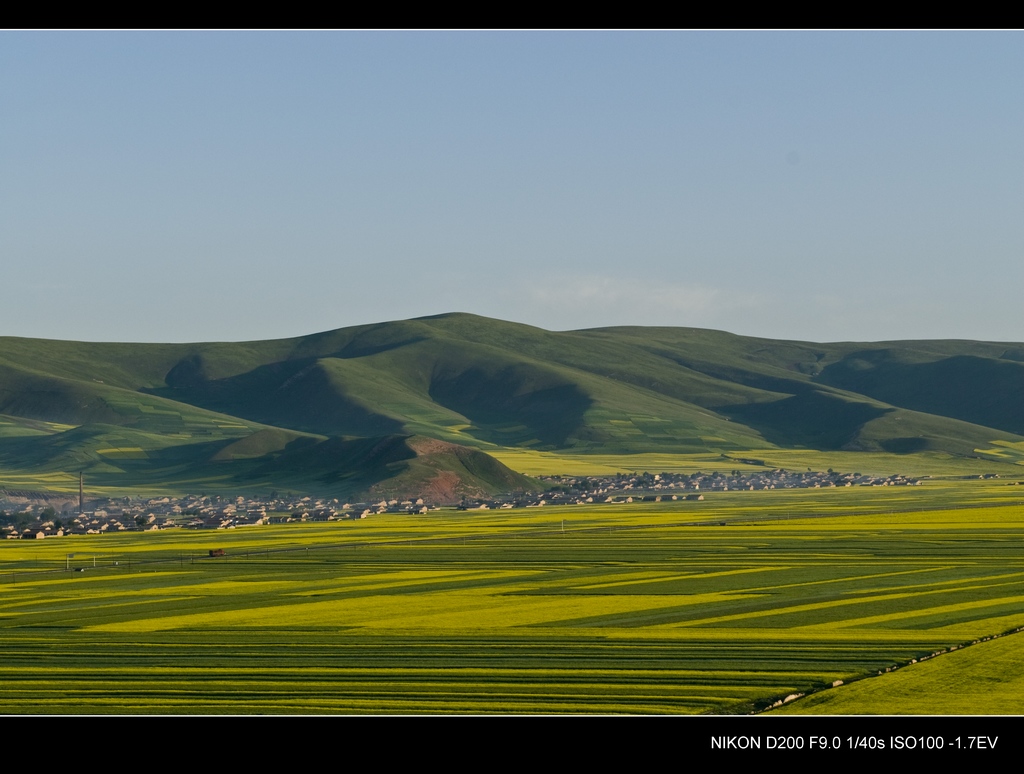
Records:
x=573, y=301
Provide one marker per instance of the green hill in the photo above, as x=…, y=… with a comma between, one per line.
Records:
x=296, y=409
x=391, y=466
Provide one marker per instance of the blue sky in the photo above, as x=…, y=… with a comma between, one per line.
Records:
x=226, y=186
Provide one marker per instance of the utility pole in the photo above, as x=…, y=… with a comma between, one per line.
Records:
x=81, y=493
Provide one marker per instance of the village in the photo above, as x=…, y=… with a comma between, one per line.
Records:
x=26, y=515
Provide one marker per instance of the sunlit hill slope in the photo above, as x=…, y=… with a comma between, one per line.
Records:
x=350, y=409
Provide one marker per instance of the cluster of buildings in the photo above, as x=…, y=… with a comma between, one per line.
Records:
x=24, y=518
x=657, y=487
x=28, y=518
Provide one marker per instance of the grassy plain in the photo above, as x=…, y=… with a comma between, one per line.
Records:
x=720, y=606
x=987, y=678
x=543, y=463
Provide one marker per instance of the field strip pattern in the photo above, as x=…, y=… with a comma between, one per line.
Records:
x=499, y=614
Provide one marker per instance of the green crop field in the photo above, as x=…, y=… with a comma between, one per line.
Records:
x=987, y=678
x=538, y=463
x=721, y=606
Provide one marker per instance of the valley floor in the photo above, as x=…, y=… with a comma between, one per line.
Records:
x=723, y=606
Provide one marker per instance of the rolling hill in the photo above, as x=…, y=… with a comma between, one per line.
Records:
x=311, y=410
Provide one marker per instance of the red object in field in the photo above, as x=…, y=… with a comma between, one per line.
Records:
x=216, y=552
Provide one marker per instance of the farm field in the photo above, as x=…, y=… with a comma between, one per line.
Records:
x=562, y=462
x=721, y=606
x=987, y=678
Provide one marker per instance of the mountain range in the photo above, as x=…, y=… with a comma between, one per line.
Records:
x=411, y=405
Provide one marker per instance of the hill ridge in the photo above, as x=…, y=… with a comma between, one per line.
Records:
x=484, y=384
